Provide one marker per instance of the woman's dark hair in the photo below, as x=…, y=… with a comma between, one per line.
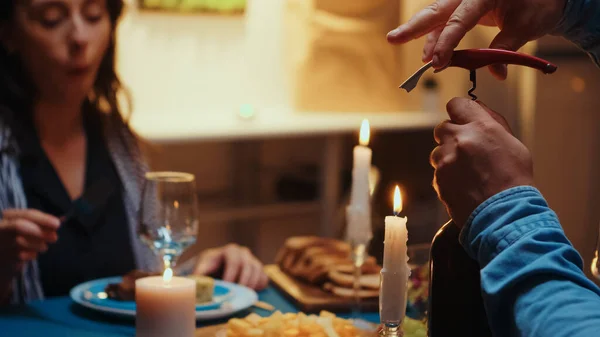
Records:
x=17, y=92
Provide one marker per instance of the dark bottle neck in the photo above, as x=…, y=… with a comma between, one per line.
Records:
x=455, y=302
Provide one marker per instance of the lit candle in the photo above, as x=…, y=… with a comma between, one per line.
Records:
x=395, y=271
x=359, y=210
x=361, y=168
x=165, y=306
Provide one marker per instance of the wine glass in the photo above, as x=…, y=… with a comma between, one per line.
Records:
x=168, y=214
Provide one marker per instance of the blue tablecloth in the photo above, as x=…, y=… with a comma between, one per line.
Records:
x=60, y=317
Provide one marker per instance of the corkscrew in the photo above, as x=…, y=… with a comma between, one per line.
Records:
x=473, y=59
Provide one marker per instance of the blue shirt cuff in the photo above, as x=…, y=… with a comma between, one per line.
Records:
x=580, y=24
x=503, y=219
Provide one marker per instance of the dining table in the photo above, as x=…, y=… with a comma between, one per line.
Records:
x=60, y=316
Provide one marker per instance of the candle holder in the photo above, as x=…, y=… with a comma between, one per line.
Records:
x=359, y=252
x=391, y=330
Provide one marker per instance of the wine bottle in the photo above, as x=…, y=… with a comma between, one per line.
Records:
x=455, y=306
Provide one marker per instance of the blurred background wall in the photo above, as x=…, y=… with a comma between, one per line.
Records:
x=264, y=107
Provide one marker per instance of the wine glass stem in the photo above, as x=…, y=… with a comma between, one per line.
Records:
x=169, y=261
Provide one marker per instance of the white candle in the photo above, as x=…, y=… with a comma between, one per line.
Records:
x=165, y=306
x=359, y=211
x=395, y=271
x=360, y=169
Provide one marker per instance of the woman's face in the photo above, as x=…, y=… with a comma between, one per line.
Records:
x=61, y=43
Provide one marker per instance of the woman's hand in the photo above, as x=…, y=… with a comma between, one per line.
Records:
x=477, y=157
x=238, y=263
x=447, y=21
x=24, y=233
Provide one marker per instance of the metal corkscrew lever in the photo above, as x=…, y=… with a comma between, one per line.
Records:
x=473, y=78
x=473, y=59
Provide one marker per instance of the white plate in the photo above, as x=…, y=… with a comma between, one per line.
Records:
x=232, y=299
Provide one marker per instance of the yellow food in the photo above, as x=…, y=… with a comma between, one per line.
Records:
x=325, y=324
x=205, y=287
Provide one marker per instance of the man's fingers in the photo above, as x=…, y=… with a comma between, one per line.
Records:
x=423, y=22
x=445, y=132
x=497, y=117
x=465, y=17
x=33, y=215
x=442, y=155
x=462, y=110
x=430, y=42
x=507, y=41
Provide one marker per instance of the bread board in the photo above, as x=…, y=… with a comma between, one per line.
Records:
x=312, y=299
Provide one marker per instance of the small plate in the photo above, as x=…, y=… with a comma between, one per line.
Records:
x=228, y=299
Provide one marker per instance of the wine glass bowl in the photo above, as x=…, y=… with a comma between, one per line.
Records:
x=168, y=221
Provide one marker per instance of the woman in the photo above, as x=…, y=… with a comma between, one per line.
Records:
x=61, y=132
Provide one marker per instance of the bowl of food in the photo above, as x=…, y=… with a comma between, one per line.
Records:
x=324, y=324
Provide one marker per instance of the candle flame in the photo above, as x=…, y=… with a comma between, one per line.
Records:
x=365, y=133
x=168, y=275
x=397, y=201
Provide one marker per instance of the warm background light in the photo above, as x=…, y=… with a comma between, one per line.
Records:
x=365, y=133
x=578, y=84
x=397, y=201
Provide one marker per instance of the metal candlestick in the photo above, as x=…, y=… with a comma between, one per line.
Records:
x=358, y=259
x=391, y=330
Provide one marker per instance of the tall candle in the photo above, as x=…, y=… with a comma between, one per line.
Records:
x=165, y=306
x=359, y=211
x=360, y=169
x=395, y=271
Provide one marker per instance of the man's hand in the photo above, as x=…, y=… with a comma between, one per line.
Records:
x=447, y=21
x=238, y=263
x=477, y=157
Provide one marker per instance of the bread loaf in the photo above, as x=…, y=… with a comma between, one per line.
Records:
x=327, y=263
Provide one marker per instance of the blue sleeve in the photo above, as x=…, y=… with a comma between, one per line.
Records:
x=580, y=24
x=531, y=276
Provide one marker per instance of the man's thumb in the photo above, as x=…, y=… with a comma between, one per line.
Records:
x=507, y=41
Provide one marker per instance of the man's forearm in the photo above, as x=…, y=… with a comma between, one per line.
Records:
x=580, y=24
x=531, y=276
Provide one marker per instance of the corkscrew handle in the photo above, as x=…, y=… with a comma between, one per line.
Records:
x=472, y=59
